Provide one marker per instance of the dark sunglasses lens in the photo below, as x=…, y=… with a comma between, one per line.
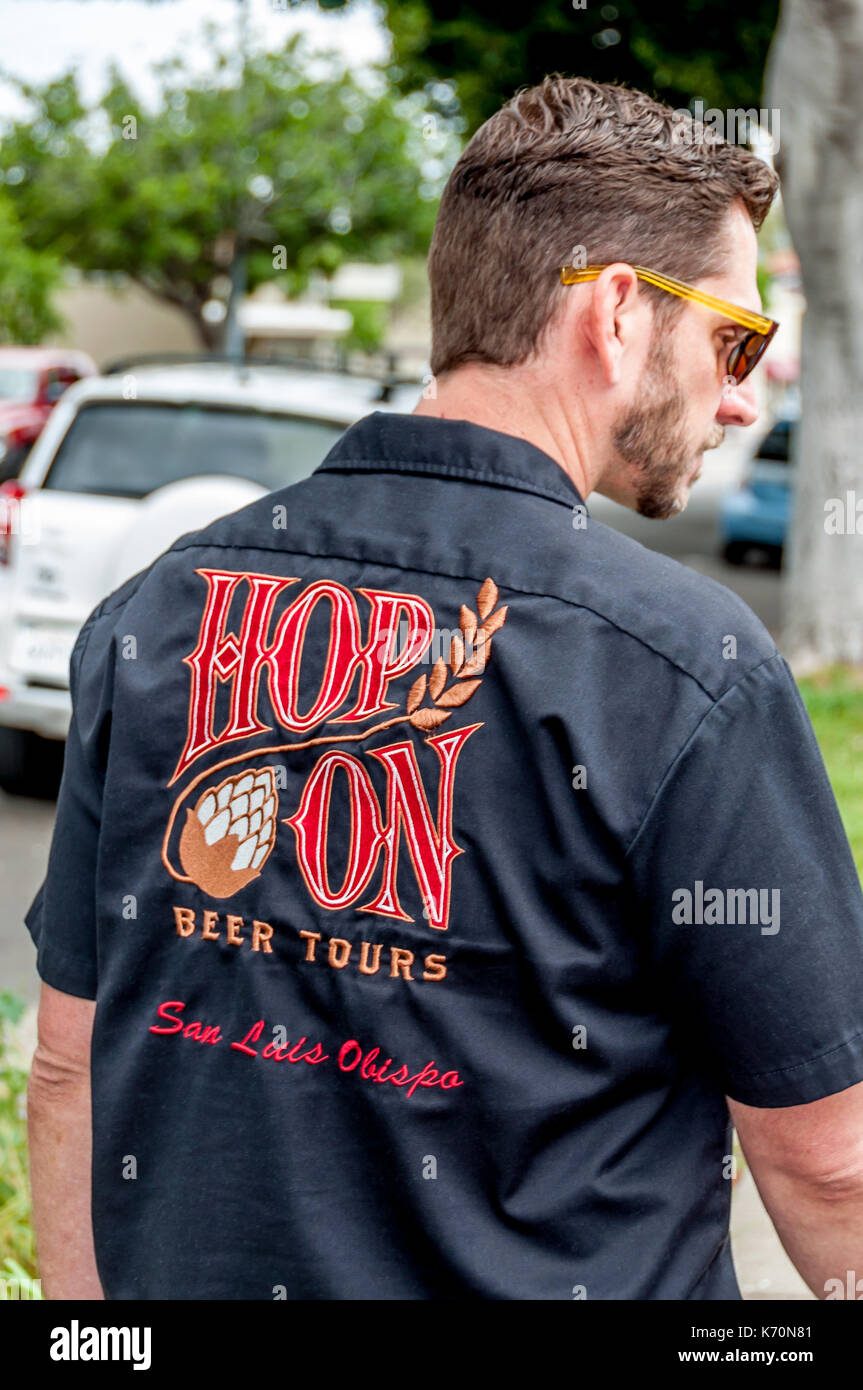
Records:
x=747, y=354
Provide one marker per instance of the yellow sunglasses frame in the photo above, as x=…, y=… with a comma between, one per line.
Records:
x=757, y=323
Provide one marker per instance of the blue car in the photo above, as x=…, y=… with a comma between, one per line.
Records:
x=754, y=519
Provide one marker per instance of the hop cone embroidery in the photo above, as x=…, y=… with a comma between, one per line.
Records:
x=229, y=833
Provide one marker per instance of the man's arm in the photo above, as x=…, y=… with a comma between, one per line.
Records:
x=807, y=1162
x=60, y=1133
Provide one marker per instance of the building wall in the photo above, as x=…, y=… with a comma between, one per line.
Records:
x=110, y=317
x=109, y=321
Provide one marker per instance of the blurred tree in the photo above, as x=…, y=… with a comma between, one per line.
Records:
x=692, y=48
x=27, y=281
x=813, y=77
x=369, y=329
x=277, y=169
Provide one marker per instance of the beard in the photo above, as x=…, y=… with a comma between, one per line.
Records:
x=652, y=437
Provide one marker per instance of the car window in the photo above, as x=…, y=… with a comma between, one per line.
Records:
x=17, y=384
x=53, y=385
x=129, y=449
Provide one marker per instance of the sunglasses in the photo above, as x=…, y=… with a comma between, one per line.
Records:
x=743, y=356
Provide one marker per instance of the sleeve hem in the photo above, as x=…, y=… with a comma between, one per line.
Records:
x=803, y=1082
x=69, y=974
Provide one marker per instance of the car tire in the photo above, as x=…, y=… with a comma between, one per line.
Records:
x=734, y=552
x=30, y=765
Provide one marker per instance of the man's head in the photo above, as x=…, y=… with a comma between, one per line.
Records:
x=628, y=380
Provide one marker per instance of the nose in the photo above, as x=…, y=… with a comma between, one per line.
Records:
x=737, y=405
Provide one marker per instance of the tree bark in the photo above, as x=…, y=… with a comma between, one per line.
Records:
x=210, y=335
x=815, y=78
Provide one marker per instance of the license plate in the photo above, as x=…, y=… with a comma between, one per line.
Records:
x=42, y=653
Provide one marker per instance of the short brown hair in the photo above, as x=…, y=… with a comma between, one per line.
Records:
x=575, y=163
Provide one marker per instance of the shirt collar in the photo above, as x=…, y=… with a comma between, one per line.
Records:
x=387, y=441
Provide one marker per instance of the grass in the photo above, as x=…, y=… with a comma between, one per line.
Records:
x=17, y=1251
x=834, y=699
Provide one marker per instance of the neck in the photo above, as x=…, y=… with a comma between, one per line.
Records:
x=515, y=401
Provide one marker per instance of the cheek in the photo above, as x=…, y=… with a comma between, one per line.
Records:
x=702, y=364
x=702, y=378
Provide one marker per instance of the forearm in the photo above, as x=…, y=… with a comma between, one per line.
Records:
x=60, y=1136
x=821, y=1229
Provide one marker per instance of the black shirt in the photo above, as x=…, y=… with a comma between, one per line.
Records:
x=439, y=859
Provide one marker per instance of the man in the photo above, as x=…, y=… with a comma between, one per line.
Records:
x=446, y=864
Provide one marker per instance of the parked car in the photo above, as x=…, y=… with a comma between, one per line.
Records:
x=32, y=380
x=128, y=462
x=754, y=519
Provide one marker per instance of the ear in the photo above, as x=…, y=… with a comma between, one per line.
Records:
x=615, y=317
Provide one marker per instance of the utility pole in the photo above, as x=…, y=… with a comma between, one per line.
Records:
x=234, y=339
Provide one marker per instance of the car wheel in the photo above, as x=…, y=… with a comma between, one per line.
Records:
x=30, y=765
x=734, y=552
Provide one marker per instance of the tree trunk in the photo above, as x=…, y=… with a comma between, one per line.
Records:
x=815, y=79
x=211, y=336
x=234, y=342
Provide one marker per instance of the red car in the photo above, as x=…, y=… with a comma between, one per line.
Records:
x=32, y=380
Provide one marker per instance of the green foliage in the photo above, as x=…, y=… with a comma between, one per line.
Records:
x=764, y=282
x=248, y=159
x=371, y=319
x=688, y=49
x=17, y=1251
x=27, y=281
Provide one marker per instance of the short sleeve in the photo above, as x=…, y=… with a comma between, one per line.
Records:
x=62, y=917
x=746, y=882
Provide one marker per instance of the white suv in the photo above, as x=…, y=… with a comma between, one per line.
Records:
x=127, y=463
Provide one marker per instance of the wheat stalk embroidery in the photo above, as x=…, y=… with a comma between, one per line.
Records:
x=468, y=656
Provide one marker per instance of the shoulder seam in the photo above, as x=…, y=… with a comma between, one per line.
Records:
x=448, y=574
x=82, y=641
x=102, y=611
x=715, y=703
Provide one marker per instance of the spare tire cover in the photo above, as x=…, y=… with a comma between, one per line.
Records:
x=175, y=510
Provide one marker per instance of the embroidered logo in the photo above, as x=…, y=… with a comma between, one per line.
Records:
x=230, y=832
x=230, y=828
